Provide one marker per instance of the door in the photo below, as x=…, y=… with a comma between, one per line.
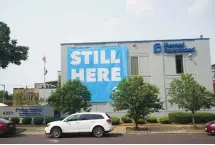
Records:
x=85, y=122
x=72, y=124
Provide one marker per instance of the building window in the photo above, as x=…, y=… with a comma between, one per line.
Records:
x=30, y=96
x=179, y=64
x=213, y=72
x=134, y=66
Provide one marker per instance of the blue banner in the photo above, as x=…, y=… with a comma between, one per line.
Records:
x=99, y=68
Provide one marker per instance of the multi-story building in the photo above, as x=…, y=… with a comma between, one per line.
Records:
x=25, y=96
x=45, y=91
x=213, y=74
x=101, y=65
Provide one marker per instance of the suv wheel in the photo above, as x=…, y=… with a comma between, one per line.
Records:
x=56, y=132
x=98, y=131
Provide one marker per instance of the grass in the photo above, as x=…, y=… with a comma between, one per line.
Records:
x=137, y=129
x=190, y=128
x=20, y=130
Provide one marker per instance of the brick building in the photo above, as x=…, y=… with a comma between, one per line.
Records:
x=25, y=96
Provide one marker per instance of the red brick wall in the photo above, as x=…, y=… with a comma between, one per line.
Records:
x=214, y=84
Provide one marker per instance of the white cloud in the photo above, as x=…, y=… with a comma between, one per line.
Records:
x=139, y=6
x=198, y=7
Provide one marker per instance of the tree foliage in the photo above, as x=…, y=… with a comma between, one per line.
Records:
x=10, y=52
x=187, y=94
x=6, y=95
x=137, y=97
x=20, y=99
x=72, y=97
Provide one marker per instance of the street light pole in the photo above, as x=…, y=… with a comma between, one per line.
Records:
x=3, y=92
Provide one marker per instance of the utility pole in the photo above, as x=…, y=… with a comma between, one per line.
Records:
x=26, y=95
x=3, y=92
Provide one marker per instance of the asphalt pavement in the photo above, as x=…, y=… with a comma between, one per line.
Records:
x=113, y=139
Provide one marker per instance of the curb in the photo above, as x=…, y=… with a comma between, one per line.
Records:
x=151, y=133
x=146, y=133
x=32, y=133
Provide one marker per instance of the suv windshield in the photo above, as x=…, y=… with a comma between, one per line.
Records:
x=4, y=120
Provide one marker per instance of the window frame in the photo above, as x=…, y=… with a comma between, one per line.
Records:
x=138, y=69
x=73, y=116
x=182, y=64
x=91, y=117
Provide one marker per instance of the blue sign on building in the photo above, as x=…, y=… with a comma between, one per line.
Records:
x=99, y=68
x=172, y=48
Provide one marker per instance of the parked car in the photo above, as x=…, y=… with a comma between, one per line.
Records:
x=96, y=123
x=210, y=127
x=7, y=127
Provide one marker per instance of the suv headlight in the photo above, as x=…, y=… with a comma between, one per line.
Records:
x=48, y=125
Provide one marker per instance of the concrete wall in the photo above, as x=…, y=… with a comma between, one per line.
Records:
x=33, y=111
x=158, y=69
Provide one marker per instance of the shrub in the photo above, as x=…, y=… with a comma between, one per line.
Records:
x=38, y=120
x=207, y=117
x=126, y=119
x=115, y=120
x=15, y=120
x=7, y=118
x=49, y=119
x=151, y=119
x=164, y=120
x=141, y=121
x=186, y=117
x=180, y=117
x=27, y=120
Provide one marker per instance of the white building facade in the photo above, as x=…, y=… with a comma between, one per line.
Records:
x=159, y=62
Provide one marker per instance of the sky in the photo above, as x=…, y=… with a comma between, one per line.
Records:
x=43, y=25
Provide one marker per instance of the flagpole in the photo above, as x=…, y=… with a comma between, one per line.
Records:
x=44, y=78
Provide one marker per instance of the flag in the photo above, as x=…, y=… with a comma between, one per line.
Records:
x=45, y=71
x=44, y=59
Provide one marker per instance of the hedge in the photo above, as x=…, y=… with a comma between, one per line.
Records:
x=15, y=120
x=115, y=120
x=186, y=117
x=26, y=120
x=49, y=119
x=151, y=119
x=164, y=120
x=38, y=120
x=141, y=121
x=126, y=119
x=7, y=119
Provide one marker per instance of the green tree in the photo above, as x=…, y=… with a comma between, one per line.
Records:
x=72, y=97
x=59, y=81
x=187, y=94
x=6, y=95
x=136, y=96
x=20, y=99
x=10, y=52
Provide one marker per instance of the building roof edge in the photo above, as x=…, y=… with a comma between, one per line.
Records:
x=134, y=41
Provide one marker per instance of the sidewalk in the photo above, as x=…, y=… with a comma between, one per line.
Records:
x=122, y=129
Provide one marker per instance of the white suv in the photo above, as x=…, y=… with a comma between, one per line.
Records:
x=88, y=122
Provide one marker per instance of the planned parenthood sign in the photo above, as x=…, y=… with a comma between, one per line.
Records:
x=99, y=68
